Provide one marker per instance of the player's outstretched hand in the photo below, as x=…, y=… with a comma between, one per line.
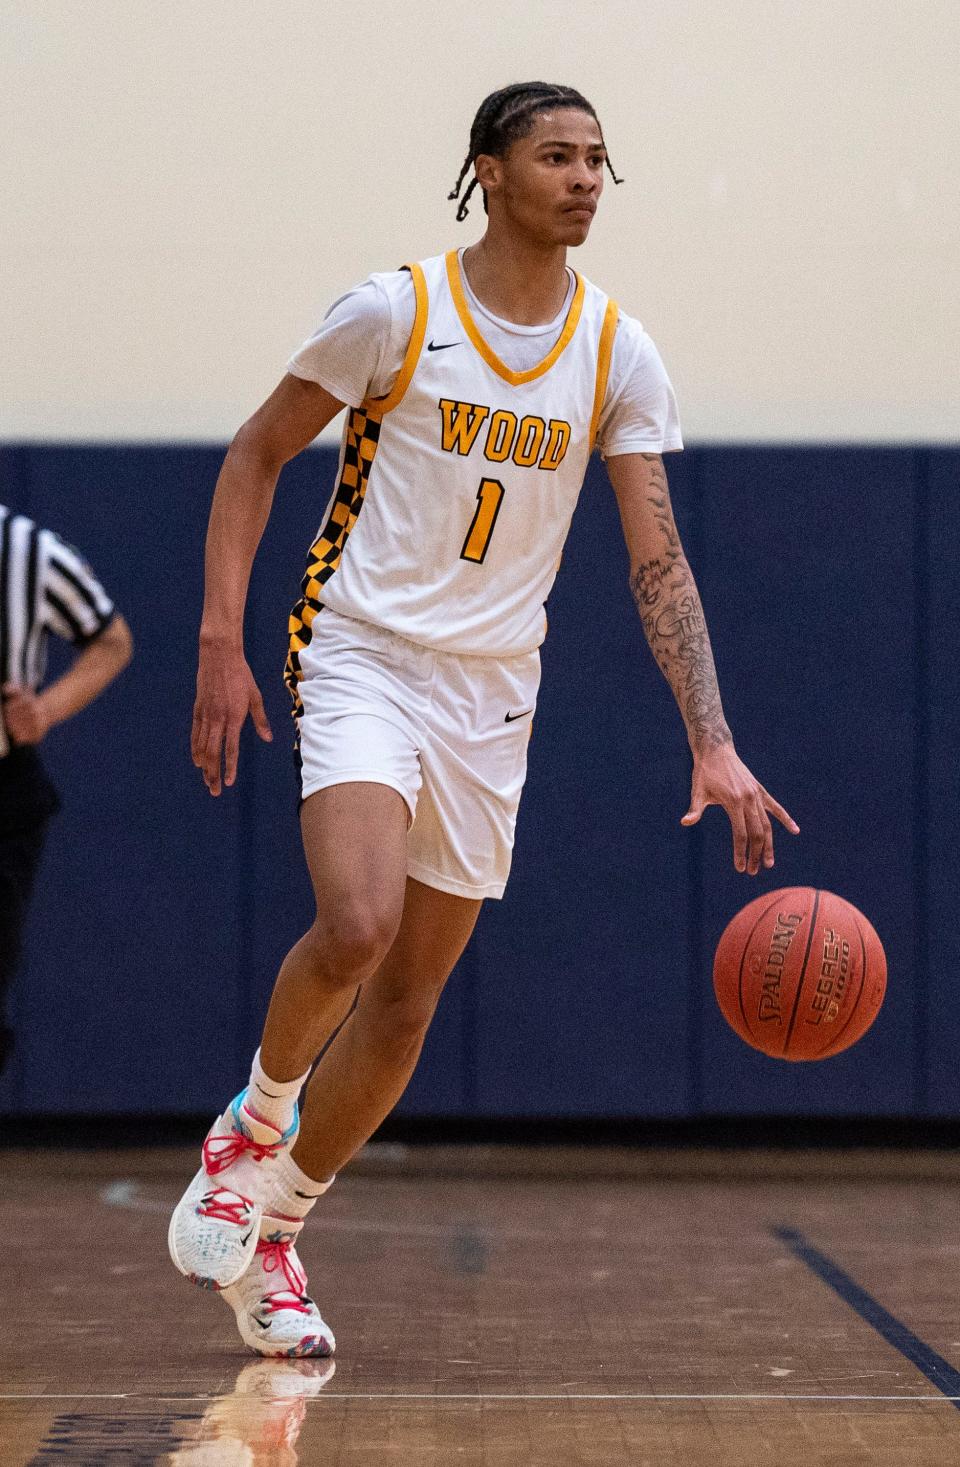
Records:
x=226, y=693
x=721, y=778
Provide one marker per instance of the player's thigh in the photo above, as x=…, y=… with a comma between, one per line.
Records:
x=355, y=841
x=473, y=766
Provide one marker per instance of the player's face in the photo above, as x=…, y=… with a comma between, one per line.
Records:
x=549, y=183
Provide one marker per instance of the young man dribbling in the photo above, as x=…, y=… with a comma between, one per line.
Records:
x=477, y=385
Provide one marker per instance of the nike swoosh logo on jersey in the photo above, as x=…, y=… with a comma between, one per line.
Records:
x=442, y=346
x=511, y=717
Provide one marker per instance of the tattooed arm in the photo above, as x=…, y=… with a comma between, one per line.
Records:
x=673, y=621
x=669, y=606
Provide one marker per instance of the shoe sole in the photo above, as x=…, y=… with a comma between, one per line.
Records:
x=205, y=1281
x=309, y=1347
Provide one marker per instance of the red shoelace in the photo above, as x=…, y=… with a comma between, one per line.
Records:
x=216, y=1205
x=277, y=1258
x=219, y=1152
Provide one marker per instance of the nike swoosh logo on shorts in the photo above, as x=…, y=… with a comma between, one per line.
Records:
x=511, y=717
x=442, y=346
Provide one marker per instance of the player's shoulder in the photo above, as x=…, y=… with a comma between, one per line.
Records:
x=397, y=291
x=364, y=302
x=392, y=282
x=630, y=331
x=398, y=284
x=633, y=347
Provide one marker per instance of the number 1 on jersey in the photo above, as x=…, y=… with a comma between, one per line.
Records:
x=475, y=545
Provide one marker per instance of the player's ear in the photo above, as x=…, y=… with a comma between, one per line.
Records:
x=489, y=171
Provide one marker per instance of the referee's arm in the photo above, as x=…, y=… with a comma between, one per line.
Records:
x=29, y=716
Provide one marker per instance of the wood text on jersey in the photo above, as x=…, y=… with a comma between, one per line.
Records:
x=530, y=442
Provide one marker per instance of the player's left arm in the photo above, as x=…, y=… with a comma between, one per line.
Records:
x=670, y=609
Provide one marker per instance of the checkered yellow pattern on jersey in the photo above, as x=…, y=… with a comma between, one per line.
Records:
x=360, y=439
x=361, y=436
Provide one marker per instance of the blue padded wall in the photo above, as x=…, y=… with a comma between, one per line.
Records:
x=810, y=586
x=831, y=587
x=937, y=776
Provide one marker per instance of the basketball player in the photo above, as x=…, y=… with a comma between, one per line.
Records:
x=477, y=385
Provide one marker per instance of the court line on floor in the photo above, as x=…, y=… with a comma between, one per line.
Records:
x=938, y=1371
x=127, y=1194
x=938, y=1400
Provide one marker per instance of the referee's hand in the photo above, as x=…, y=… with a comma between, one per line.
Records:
x=226, y=693
x=24, y=715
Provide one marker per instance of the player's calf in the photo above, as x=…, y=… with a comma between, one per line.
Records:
x=394, y=1023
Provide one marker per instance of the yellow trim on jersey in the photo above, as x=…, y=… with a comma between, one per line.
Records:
x=515, y=379
x=605, y=352
x=379, y=405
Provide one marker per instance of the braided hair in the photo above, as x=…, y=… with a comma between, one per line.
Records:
x=507, y=115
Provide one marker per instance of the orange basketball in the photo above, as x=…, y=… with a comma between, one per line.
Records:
x=800, y=974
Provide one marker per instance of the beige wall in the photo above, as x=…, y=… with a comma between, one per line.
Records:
x=187, y=184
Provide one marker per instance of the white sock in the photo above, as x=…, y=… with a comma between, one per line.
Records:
x=273, y=1100
x=292, y=1192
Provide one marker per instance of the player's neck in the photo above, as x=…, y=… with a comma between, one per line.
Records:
x=517, y=278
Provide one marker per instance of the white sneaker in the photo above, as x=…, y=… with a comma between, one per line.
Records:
x=215, y=1226
x=275, y=1314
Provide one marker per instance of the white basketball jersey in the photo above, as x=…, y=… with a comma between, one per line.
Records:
x=455, y=491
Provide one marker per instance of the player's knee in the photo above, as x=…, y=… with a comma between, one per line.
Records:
x=350, y=944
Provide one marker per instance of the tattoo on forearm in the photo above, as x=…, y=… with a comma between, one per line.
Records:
x=674, y=624
x=659, y=497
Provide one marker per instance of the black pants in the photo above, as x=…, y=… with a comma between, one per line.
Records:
x=27, y=800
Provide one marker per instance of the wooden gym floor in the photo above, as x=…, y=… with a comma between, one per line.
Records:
x=715, y=1311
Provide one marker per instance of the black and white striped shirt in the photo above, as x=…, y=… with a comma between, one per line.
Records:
x=45, y=586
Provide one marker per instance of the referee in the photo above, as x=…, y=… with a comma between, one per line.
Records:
x=45, y=586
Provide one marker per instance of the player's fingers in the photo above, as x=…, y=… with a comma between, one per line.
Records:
x=198, y=736
x=786, y=820
x=259, y=715
x=757, y=829
x=739, y=826
x=212, y=758
x=767, y=856
x=231, y=752
x=697, y=808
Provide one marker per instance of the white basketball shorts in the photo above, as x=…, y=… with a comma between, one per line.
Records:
x=448, y=732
